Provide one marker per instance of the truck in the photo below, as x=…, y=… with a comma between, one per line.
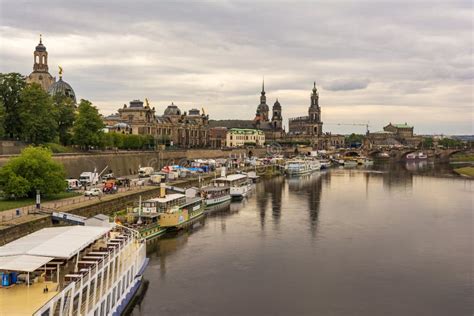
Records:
x=89, y=178
x=145, y=172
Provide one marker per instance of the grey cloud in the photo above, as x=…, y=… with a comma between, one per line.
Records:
x=215, y=53
x=347, y=84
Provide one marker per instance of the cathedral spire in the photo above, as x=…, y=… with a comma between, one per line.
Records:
x=263, y=86
x=41, y=42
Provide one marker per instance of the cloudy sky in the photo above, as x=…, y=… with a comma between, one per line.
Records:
x=376, y=61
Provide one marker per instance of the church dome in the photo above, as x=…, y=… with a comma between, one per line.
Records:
x=277, y=105
x=40, y=47
x=172, y=110
x=61, y=87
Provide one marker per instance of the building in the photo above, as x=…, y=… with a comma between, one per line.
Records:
x=217, y=137
x=272, y=125
x=400, y=130
x=311, y=124
x=393, y=135
x=238, y=137
x=309, y=129
x=173, y=128
x=273, y=128
x=41, y=75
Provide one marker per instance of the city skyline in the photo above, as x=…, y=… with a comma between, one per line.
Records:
x=371, y=62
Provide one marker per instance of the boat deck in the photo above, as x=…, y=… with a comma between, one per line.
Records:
x=21, y=299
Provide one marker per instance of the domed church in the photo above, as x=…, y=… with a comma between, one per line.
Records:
x=61, y=87
x=41, y=75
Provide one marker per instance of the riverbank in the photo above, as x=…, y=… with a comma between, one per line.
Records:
x=19, y=203
x=465, y=171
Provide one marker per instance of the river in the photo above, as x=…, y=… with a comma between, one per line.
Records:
x=380, y=241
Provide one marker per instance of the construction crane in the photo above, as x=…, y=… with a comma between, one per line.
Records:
x=352, y=124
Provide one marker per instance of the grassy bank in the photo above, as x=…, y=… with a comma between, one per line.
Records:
x=12, y=204
x=462, y=157
x=465, y=171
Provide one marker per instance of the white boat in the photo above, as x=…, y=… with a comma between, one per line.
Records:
x=416, y=156
x=215, y=194
x=325, y=163
x=350, y=163
x=240, y=185
x=302, y=166
x=72, y=270
x=365, y=161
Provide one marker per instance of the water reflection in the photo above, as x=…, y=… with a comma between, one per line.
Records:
x=331, y=243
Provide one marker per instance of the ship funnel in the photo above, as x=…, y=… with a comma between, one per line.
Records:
x=223, y=172
x=162, y=190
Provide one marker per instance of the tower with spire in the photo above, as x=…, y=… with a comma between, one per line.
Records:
x=277, y=120
x=262, y=109
x=40, y=74
x=314, y=110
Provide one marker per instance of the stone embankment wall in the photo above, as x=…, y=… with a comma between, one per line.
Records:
x=8, y=147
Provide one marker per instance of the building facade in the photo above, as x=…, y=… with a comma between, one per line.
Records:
x=393, y=135
x=217, y=137
x=311, y=124
x=173, y=128
x=239, y=137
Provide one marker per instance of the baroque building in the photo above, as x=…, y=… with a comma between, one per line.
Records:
x=309, y=129
x=173, y=128
x=40, y=74
x=311, y=124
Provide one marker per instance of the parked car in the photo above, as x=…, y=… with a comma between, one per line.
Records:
x=93, y=192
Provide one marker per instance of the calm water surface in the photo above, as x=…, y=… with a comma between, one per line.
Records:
x=342, y=242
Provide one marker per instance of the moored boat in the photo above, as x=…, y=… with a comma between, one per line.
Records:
x=240, y=185
x=215, y=194
x=302, y=166
x=68, y=271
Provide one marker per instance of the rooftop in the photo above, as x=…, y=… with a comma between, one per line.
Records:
x=245, y=131
x=57, y=242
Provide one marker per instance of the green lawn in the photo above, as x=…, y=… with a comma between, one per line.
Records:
x=465, y=171
x=462, y=157
x=11, y=204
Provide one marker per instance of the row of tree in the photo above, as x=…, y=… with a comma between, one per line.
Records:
x=30, y=114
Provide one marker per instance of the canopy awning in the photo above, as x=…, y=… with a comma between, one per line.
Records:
x=24, y=263
x=56, y=242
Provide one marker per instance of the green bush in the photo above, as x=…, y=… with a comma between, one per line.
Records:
x=33, y=170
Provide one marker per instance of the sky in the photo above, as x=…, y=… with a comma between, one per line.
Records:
x=373, y=62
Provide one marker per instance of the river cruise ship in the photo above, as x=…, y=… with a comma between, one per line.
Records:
x=174, y=210
x=302, y=166
x=240, y=185
x=71, y=270
x=215, y=194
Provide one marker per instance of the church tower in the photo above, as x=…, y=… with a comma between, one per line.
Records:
x=263, y=109
x=276, y=117
x=40, y=74
x=314, y=113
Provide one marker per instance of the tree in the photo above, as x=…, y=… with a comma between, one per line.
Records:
x=33, y=170
x=2, y=120
x=427, y=142
x=11, y=85
x=65, y=116
x=87, y=129
x=37, y=115
x=354, y=140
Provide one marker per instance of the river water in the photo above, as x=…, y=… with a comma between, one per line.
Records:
x=340, y=242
